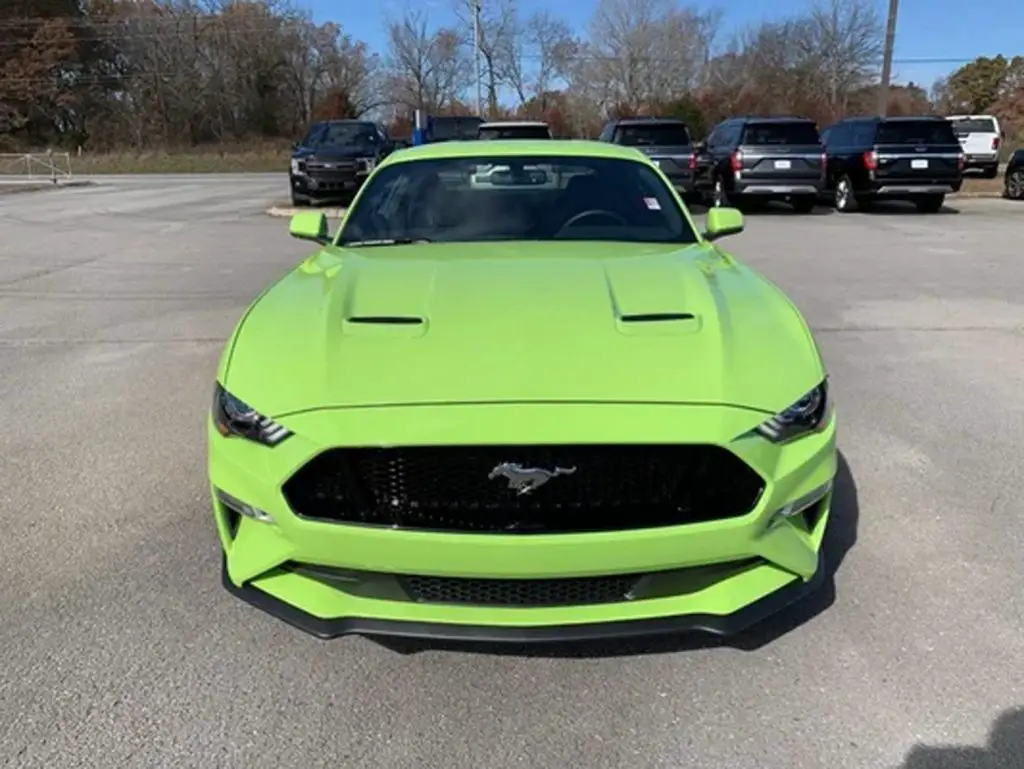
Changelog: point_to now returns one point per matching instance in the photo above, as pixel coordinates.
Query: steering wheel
(592, 212)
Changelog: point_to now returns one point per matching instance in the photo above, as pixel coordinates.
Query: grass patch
(273, 158)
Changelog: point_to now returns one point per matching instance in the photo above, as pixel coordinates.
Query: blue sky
(926, 29)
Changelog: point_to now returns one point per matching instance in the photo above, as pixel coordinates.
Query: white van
(980, 137)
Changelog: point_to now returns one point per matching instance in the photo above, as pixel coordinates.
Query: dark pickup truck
(751, 158)
(916, 159)
(666, 141)
(334, 159)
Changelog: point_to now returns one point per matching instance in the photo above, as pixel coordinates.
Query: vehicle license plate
(918, 163)
(783, 164)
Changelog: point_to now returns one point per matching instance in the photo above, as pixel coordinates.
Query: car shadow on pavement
(768, 209)
(899, 208)
(839, 539)
(1005, 749)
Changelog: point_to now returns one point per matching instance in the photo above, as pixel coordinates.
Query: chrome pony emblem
(525, 479)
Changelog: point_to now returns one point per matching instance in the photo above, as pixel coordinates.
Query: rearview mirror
(310, 225)
(720, 222)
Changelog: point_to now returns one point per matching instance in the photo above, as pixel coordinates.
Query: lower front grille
(579, 591)
(525, 489)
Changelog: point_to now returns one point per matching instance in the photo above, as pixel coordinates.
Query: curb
(288, 212)
(14, 187)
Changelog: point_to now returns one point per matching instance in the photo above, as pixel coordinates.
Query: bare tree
(540, 53)
(845, 38)
(649, 50)
(426, 68)
(496, 27)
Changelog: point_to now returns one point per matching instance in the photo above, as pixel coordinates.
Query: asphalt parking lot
(121, 649)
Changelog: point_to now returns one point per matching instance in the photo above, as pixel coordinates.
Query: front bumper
(324, 186)
(718, 577)
(712, 624)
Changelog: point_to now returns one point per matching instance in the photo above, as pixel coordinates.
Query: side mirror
(720, 222)
(295, 146)
(310, 225)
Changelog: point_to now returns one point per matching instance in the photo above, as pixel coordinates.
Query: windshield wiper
(385, 242)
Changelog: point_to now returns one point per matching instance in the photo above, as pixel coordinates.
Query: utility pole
(890, 42)
(476, 56)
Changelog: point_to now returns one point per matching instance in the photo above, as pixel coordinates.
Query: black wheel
(930, 204)
(843, 198)
(990, 172)
(1015, 185)
(803, 204)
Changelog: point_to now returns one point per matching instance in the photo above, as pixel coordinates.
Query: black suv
(666, 141)
(917, 159)
(334, 159)
(1013, 179)
(760, 158)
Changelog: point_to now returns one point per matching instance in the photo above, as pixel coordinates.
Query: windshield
(800, 132)
(541, 198)
(656, 134)
(514, 132)
(916, 132)
(454, 128)
(328, 135)
(978, 125)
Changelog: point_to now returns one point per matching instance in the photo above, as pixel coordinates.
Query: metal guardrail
(28, 166)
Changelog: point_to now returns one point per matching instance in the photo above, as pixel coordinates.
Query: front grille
(467, 489)
(579, 591)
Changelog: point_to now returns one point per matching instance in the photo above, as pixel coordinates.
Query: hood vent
(387, 320)
(657, 317)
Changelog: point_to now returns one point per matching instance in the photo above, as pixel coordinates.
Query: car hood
(542, 322)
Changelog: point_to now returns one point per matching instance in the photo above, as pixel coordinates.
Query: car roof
(774, 119)
(514, 124)
(581, 148)
(642, 121)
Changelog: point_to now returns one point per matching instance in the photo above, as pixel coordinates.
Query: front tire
(930, 204)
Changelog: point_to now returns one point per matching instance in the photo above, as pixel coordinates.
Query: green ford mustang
(531, 404)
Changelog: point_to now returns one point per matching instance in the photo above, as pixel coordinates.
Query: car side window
(607, 132)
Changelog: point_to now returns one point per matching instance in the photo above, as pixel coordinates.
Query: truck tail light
(736, 160)
(871, 160)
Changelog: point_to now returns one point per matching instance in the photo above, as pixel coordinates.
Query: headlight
(235, 417)
(367, 164)
(297, 166)
(804, 416)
